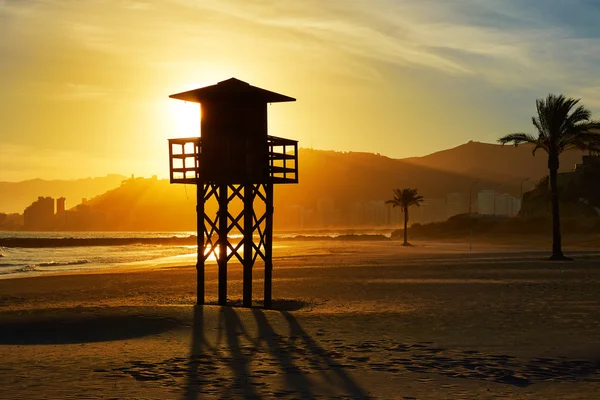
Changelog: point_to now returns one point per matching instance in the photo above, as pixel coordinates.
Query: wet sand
(354, 320)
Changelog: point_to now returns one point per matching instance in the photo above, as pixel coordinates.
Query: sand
(354, 320)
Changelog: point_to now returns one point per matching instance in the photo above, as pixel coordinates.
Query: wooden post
(269, 245)
(200, 193)
(222, 256)
(248, 241)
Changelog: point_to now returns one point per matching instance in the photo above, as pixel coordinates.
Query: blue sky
(88, 81)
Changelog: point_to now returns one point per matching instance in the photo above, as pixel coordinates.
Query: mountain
(352, 176)
(138, 204)
(485, 161)
(330, 181)
(15, 196)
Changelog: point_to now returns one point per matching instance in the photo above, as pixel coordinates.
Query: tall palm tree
(560, 127)
(404, 199)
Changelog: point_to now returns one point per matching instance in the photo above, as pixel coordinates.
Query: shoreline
(287, 248)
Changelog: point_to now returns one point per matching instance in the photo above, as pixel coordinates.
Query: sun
(185, 118)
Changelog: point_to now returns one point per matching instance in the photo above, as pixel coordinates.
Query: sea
(30, 261)
(19, 261)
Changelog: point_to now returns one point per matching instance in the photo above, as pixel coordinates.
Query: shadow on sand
(75, 329)
(262, 363)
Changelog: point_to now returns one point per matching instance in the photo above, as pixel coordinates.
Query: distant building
(356, 211)
(587, 160)
(40, 214)
(565, 179)
(515, 206)
(326, 213)
(61, 214)
(60, 205)
(490, 202)
(456, 203)
(431, 210)
(396, 216)
(292, 217)
(485, 202)
(380, 213)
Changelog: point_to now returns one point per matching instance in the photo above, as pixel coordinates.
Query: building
(292, 217)
(326, 213)
(431, 210)
(485, 202)
(356, 213)
(396, 216)
(456, 203)
(61, 205)
(40, 214)
(381, 215)
(490, 202)
(61, 212)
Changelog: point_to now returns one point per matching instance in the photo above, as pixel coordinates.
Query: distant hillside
(139, 204)
(326, 177)
(15, 196)
(347, 177)
(493, 162)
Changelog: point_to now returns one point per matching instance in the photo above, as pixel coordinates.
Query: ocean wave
(4, 265)
(13, 242)
(27, 268)
(62, 263)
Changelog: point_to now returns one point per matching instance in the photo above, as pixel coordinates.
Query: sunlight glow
(185, 117)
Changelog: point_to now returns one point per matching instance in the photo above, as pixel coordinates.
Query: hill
(492, 162)
(18, 195)
(352, 176)
(340, 180)
(138, 204)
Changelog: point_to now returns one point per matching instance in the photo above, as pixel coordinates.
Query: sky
(85, 84)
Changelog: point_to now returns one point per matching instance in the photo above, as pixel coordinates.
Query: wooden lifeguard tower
(235, 164)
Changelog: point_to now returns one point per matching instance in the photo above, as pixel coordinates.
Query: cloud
(19, 162)
(92, 36)
(22, 162)
(75, 92)
(137, 5)
(503, 42)
(467, 61)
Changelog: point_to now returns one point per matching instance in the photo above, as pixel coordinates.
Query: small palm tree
(404, 199)
(559, 127)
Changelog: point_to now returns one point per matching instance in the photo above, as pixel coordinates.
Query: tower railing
(184, 163)
(283, 160)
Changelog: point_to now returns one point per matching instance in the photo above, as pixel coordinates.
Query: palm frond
(394, 203)
(517, 139)
(578, 136)
(583, 140)
(561, 125)
(579, 116)
(542, 130)
(404, 198)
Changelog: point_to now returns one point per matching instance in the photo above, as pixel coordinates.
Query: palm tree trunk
(405, 227)
(557, 253)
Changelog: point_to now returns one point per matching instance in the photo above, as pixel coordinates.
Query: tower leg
(222, 234)
(269, 246)
(200, 192)
(248, 241)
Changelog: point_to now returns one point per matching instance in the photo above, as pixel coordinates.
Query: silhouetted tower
(61, 205)
(234, 164)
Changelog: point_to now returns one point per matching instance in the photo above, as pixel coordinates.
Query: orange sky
(85, 84)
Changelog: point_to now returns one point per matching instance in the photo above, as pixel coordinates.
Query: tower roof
(231, 90)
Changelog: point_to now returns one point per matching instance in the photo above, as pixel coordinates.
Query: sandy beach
(353, 320)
